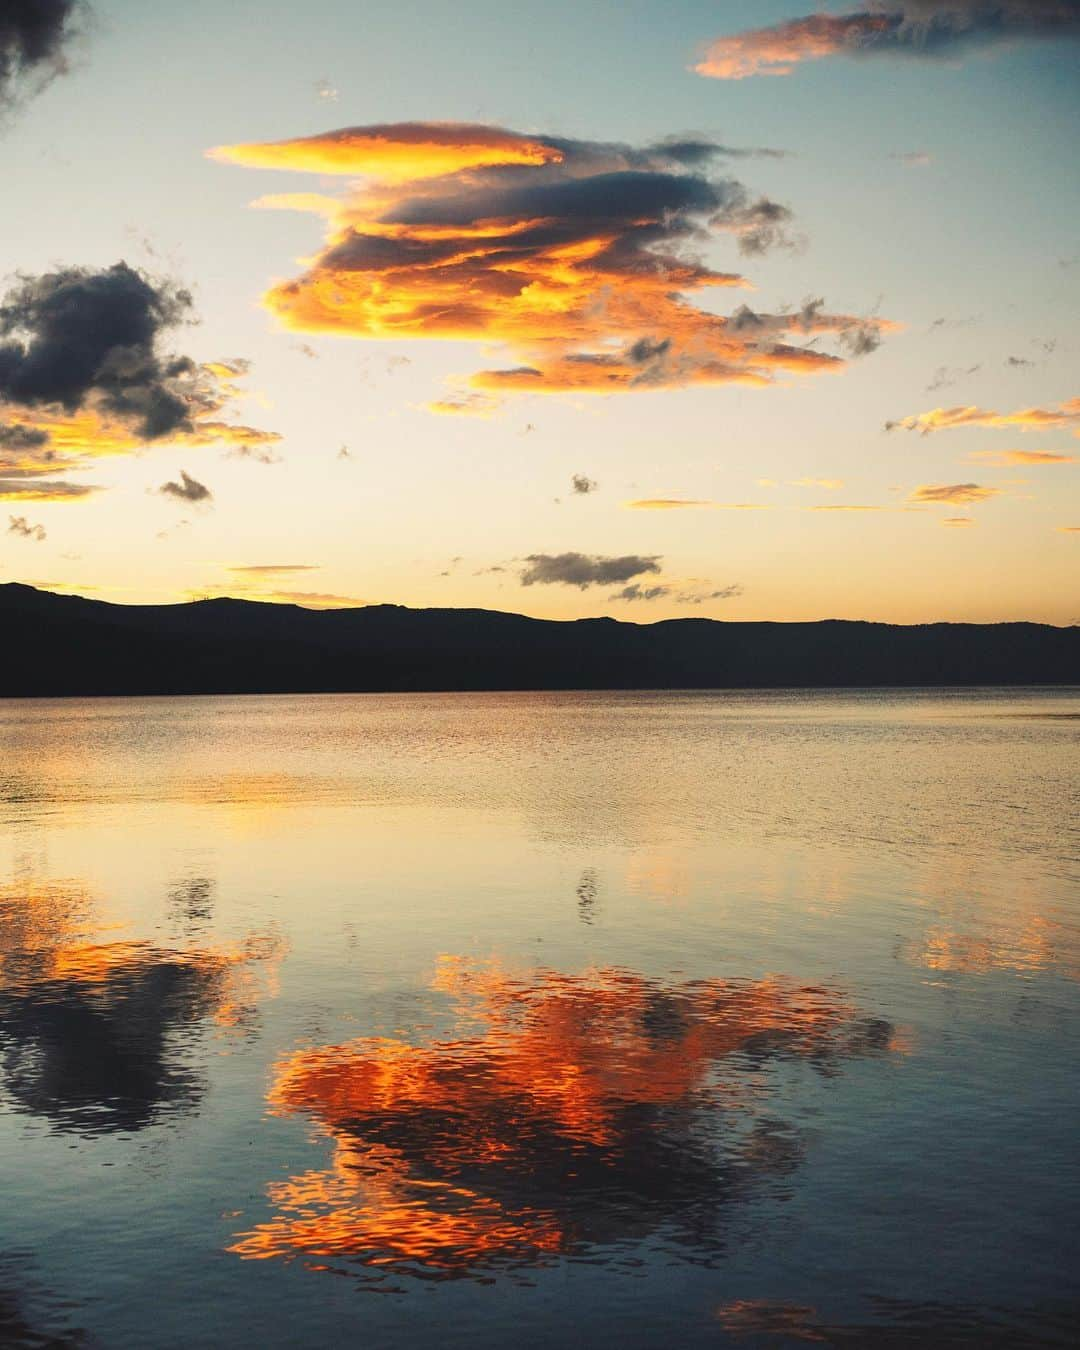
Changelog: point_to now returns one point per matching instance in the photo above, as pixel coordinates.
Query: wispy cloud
(914, 159)
(1029, 458)
(953, 494)
(273, 569)
(919, 29)
(665, 503)
(680, 594)
(1065, 414)
(21, 527)
(578, 258)
(955, 521)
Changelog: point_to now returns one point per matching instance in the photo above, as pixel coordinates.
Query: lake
(491, 1020)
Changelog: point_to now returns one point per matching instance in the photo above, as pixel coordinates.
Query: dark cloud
(84, 372)
(15, 436)
(636, 592)
(22, 527)
(186, 490)
(919, 29)
(73, 335)
(582, 485)
(582, 569)
(35, 37)
(1018, 361)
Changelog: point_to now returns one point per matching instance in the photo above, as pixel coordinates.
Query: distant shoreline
(69, 646)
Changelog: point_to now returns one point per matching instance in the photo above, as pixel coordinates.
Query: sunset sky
(649, 309)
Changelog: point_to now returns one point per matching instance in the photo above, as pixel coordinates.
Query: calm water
(513, 1020)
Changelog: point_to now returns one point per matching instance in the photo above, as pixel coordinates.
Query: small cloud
(583, 570)
(1018, 361)
(583, 486)
(325, 91)
(42, 490)
(21, 526)
(679, 594)
(344, 453)
(946, 376)
(1068, 529)
(273, 569)
(767, 483)
(305, 349)
(828, 484)
(913, 159)
(955, 521)
(1008, 458)
(636, 592)
(665, 503)
(837, 507)
(188, 489)
(465, 405)
(953, 494)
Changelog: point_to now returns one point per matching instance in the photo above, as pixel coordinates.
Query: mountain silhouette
(69, 645)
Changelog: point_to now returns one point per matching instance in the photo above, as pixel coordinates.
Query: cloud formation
(681, 595)
(920, 29)
(583, 570)
(665, 503)
(953, 494)
(21, 526)
(1065, 414)
(580, 259)
(583, 485)
(35, 36)
(1029, 458)
(188, 490)
(273, 569)
(85, 373)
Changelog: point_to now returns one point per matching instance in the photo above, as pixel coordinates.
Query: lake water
(741, 1019)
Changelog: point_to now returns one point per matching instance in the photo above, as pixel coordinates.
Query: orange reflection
(94, 1030)
(571, 1111)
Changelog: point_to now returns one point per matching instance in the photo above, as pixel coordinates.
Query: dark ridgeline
(55, 645)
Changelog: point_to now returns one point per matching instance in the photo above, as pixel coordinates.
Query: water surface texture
(507, 1020)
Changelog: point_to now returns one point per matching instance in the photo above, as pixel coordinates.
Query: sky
(654, 310)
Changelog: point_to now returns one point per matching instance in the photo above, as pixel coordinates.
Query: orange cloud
(953, 494)
(43, 490)
(1066, 414)
(915, 29)
(832, 507)
(1005, 458)
(577, 258)
(778, 50)
(955, 521)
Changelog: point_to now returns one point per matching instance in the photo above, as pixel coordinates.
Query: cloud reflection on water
(98, 1031)
(571, 1116)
